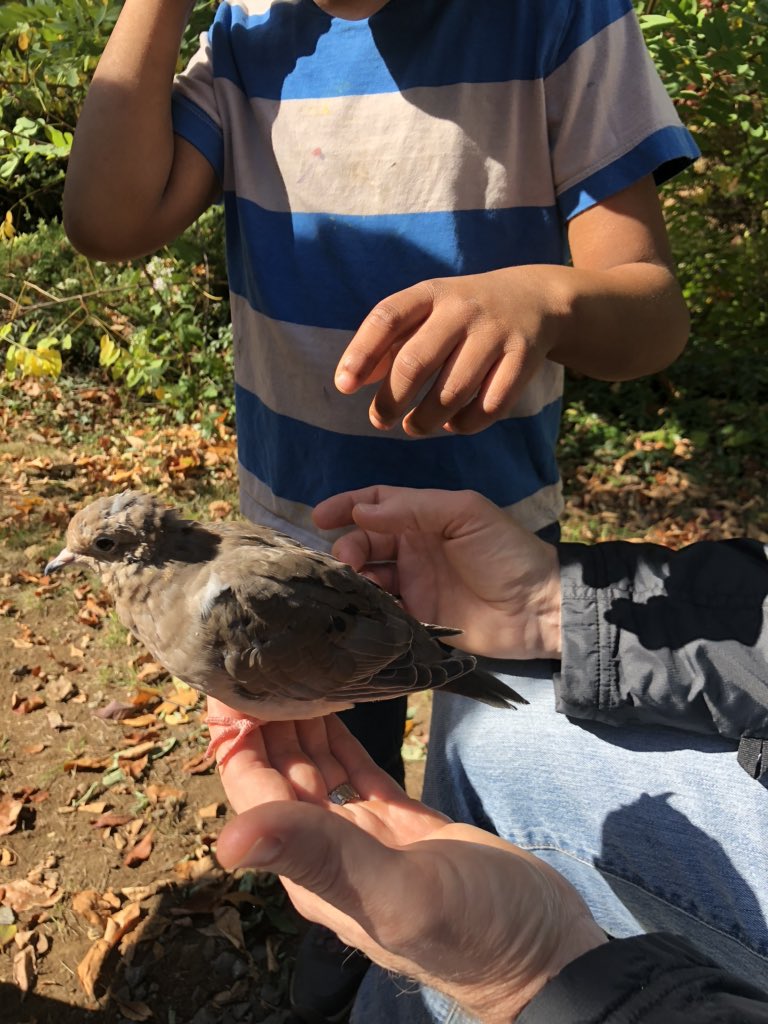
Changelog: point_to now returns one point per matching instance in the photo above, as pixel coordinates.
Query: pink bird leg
(233, 732)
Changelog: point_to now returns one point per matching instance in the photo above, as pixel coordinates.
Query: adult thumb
(317, 849)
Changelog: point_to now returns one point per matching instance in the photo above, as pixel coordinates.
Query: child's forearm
(621, 323)
(120, 197)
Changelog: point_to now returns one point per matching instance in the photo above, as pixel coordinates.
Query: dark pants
(380, 726)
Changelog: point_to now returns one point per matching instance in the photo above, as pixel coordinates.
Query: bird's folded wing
(310, 637)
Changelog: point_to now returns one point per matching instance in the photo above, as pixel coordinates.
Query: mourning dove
(251, 617)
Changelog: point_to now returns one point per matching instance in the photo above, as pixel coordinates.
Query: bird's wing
(300, 625)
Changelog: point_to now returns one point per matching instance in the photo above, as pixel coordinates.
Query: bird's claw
(233, 732)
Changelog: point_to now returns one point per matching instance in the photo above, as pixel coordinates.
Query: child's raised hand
(478, 338)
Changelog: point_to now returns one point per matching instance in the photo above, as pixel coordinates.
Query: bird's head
(120, 528)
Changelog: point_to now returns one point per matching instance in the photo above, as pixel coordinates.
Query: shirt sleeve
(610, 119)
(656, 979)
(676, 638)
(194, 108)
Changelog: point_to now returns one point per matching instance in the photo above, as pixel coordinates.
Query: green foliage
(713, 56)
(158, 326)
(48, 52)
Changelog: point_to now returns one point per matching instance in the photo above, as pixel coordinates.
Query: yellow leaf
(43, 363)
(23, 41)
(108, 351)
(7, 230)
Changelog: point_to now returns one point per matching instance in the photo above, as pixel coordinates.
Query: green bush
(713, 57)
(159, 326)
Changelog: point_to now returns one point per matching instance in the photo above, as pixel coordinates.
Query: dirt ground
(112, 907)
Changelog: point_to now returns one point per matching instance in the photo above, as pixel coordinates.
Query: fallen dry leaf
(55, 721)
(141, 721)
(117, 926)
(134, 1010)
(199, 764)
(151, 672)
(210, 811)
(24, 969)
(139, 750)
(21, 895)
(111, 820)
(164, 794)
(26, 705)
(227, 922)
(90, 905)
(95, 807)
(35, 748)
(115, 711)
(88, 764)
(141, 851)
(61, 689)
(10, 809)
(192, 870)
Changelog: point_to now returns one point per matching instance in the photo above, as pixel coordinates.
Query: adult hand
(447, 904)
(457, 560)
(484, 335)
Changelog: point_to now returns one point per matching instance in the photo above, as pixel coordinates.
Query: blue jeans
(657, 828)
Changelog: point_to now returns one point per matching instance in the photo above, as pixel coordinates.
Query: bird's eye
(104, 544)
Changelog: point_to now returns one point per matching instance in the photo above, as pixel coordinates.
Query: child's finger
(385, 326)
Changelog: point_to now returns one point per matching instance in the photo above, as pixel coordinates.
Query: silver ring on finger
(344, 793)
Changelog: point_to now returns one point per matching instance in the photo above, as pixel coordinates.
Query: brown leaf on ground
(115, 711)
(34, 748)
(55, 721)
(90, 905)
(88, 764)
(164, 794)
(89, 968)
(111, 820)
(213, 810)
(151, 672)
(24, 968)
(22, 895)
(134, 1010)
(199, 764)
(61, 689)
(10, 809)
(192, 870)
(227, 923)
(26, 705)
(141, 851)
(136, 751)
(141, 721)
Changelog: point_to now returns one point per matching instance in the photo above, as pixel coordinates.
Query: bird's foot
(231, 732)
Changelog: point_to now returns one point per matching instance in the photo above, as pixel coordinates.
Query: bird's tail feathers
(485, 687)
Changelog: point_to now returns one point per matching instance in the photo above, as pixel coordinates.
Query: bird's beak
(64, 557)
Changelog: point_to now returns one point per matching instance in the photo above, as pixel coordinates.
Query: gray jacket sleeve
(675, 638)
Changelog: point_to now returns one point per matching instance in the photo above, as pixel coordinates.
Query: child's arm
(131, 184)
(616, 314)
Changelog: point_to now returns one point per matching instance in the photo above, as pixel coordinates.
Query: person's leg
(380, 727)
(657, 828)
(327, 973)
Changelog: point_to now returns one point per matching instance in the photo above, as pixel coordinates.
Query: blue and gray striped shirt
(437, 138)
